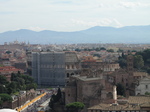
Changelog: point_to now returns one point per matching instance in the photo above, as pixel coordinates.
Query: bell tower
(130, 64)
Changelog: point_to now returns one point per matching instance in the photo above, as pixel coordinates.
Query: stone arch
(72, 73)
(72, 66)
(67, 66)
(138, 94)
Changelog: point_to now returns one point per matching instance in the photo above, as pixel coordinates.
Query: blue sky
(72, 15)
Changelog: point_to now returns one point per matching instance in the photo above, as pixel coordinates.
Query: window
(146, 86)
(67, 74)
(72, 66)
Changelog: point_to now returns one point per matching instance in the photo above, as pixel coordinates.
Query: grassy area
(49, 88)
(16, 93)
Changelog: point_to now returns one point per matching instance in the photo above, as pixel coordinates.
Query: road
(35, 103)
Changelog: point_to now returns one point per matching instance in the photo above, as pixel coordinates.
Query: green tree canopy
(3, 89)
(74, 107)
(23, 82)
(3, 80)
(97, 49)
(5, 97)
(12, 86)
(138, 61)
(31, 86)
(147, 93)
(58, 93)
(146, 55)
(102, 48)
(110, 50)
(77, 49)
(55, 98)
(122, 61)
(120, 50)
(8, 52)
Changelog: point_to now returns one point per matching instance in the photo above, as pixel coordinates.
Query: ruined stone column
(115, 93)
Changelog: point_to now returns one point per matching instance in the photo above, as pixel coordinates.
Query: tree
(55, 98)
(77, 49)
(120, 50)
(3, 89)
(123, 56)
(74, 107)
(24, 82)
(19, 80)
(13, 76)
(11, 87)
(1, 103)
(5, 97)
(3, 80)
(97, 49)
(102, 48)
(145, 54)
(28, 79)
(147, 93)
(85, 49)
(122, 62)
(58, 94)
(138, 61)
(110, 50)
(31, 86)
(8, 52)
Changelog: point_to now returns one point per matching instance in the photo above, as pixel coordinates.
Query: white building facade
(143, 86)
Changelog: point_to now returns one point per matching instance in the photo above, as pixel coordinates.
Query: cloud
(61, 2)
(58, 14)
(36, 28)
(101, 22)
(133, 4)
(6, 12)
(5, 0)
(101, 5)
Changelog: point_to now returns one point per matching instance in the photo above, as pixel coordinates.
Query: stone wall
(48, 68)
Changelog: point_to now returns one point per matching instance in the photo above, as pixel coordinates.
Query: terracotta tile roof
(108, 107)
(139, 74)
(145, 105)
(138, 99)
(130, 107)
(134, 103)
(9, 69)
(114, 107)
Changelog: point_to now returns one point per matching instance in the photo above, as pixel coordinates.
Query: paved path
(31, 102)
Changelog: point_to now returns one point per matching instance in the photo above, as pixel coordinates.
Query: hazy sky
(72, 15)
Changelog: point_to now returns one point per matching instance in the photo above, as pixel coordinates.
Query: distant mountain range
(97, 34)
